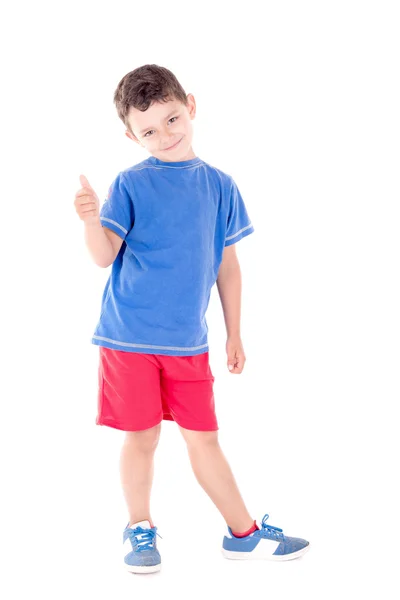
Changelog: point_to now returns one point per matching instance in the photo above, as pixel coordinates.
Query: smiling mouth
(172, 147)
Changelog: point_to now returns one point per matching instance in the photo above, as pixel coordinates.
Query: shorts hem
(116, 425)
(198, 426)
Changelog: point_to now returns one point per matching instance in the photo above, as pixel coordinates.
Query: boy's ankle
(136, 521)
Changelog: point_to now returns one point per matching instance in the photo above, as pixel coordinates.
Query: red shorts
(137, 391)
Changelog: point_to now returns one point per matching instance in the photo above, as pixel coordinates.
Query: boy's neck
(188, 156)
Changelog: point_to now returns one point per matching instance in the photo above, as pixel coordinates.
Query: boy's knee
(145, 440)
(200, 439)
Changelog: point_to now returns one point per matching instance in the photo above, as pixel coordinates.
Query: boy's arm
(102, 243)
(229, 284)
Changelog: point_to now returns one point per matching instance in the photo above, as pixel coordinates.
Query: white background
(299, 102)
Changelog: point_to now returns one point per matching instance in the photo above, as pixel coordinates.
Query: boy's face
(163, 125)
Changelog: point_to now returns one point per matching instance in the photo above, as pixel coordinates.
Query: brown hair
(143, 86)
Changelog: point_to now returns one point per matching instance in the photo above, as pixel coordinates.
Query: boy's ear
(132, 137)
(191, 105)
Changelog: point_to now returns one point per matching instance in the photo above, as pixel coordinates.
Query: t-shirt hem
(150, 349)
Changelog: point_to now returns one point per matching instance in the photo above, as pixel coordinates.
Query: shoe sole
(138, 569)
(278, 557)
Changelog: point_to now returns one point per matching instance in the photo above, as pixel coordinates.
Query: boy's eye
(145, 135)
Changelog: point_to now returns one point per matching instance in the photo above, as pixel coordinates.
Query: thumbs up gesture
(87, 204)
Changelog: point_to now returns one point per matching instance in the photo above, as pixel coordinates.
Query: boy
(169, 228)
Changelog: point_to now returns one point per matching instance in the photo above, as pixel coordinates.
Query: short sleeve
(238, 224)
(117, 212)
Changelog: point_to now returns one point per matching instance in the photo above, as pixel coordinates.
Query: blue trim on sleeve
(232, 239)
(117, 225)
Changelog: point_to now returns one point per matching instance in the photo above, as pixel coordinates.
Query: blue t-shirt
(175, 219)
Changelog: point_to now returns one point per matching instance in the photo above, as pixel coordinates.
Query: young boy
(169, 228)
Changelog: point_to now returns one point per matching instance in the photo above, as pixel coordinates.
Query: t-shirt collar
(180, 163)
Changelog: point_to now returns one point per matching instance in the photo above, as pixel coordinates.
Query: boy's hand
(87, 204)
(236, 356)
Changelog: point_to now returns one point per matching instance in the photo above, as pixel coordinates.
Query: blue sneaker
(265, 543)
(141, 544)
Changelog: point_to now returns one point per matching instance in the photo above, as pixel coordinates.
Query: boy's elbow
(104, 264)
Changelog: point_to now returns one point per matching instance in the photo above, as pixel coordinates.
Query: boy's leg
(214, 474)
(137, 470)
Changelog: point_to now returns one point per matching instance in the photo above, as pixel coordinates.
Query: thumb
(84, 182)
(231, 362)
